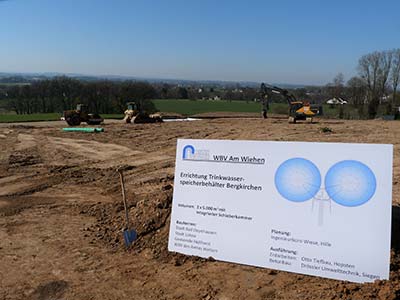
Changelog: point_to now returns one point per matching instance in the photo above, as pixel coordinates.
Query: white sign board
(312, 208)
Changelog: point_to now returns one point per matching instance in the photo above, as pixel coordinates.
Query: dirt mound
(149, 216)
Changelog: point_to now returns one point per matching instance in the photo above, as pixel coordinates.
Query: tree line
(375, 85)
(63, 93)
(105, 96)
(374, 89)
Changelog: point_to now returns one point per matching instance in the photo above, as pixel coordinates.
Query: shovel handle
(121, 177)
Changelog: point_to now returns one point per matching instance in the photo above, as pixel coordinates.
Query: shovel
(130, 235)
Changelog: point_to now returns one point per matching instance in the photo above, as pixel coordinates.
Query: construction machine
(135, 114)
(80, 114)
(298, 110)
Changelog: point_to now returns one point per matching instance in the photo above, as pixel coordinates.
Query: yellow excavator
(298, 110)
(133, 114)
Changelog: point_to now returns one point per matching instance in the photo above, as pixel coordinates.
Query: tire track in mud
(67, 151)
(33, 169)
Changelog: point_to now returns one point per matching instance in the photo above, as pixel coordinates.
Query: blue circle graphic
(297, 179)
(350, 183)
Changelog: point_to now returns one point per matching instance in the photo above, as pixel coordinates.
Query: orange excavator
(298, 110)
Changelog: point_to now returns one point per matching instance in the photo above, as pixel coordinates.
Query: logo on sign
(190, 153)
(349, 183)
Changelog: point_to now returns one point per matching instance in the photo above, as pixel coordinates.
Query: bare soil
(61, 216)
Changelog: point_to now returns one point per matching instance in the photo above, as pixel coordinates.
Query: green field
(184, 107)
(192, 107)
(113, 116)
(5, 118)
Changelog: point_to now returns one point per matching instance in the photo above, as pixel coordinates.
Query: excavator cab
(132, 106)
(297, 105)
(83, 108)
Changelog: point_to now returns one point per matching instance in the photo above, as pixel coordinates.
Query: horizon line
(72, 74)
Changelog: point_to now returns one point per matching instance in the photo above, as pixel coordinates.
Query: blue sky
(303, 42)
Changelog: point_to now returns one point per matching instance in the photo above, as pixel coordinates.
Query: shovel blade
(129, 237)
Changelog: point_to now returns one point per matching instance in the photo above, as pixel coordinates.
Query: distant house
(384, 99)
(336, 101)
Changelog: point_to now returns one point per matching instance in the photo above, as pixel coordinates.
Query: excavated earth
(61, 214)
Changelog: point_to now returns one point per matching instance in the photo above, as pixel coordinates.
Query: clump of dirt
(50, 290)
(326, 130)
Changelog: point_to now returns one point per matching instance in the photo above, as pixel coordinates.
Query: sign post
(321, 209)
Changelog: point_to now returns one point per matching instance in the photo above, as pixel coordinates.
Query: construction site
(62, 217)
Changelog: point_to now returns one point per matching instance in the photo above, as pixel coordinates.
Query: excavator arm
(298, 110)
(268, 90)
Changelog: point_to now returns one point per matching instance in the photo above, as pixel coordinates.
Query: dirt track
(61, 215)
